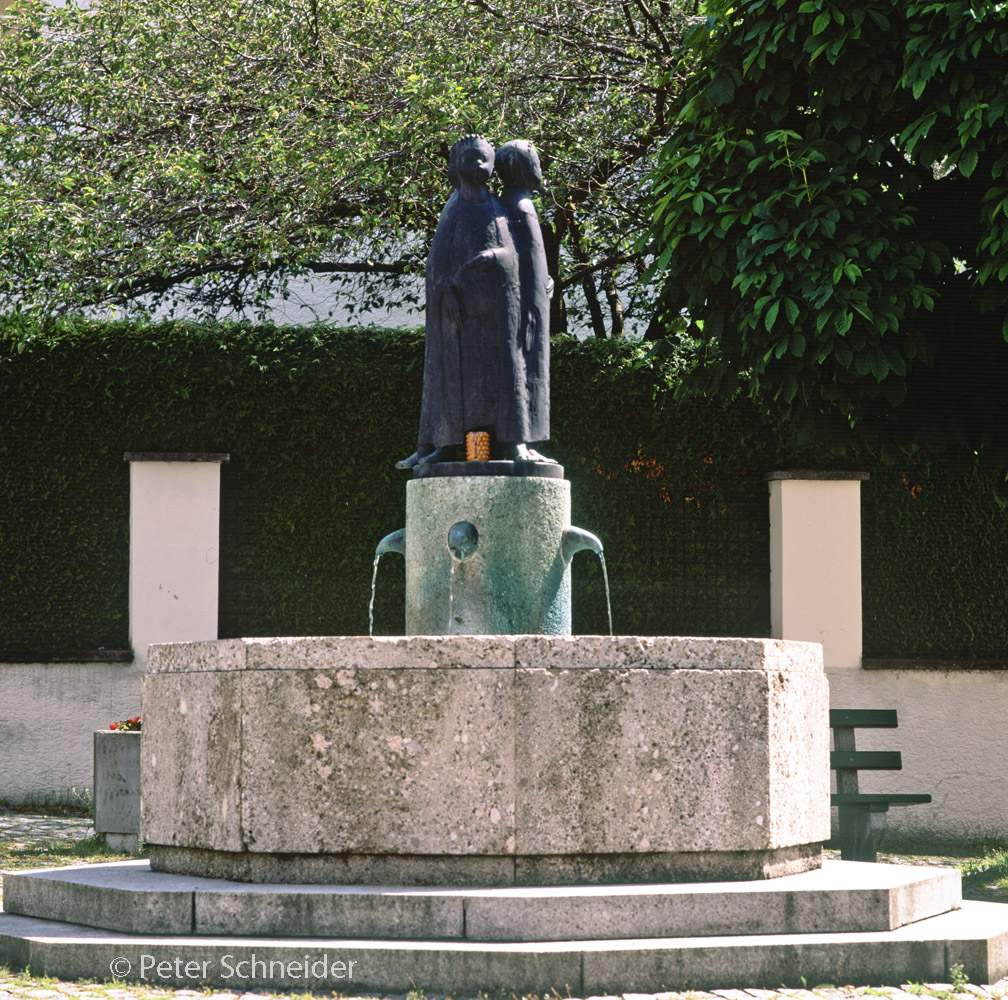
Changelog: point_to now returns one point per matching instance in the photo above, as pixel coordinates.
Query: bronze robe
(474, 358)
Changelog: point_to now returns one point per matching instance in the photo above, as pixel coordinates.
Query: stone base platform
(128, 896)
(845, 923)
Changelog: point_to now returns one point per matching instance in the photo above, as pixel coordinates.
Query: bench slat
(863, 718)
(870, 760)
(896, 799)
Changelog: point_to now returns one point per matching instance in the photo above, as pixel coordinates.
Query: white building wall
(954, 740)
(48, 715)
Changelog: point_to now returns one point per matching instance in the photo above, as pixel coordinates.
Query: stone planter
(117, 788)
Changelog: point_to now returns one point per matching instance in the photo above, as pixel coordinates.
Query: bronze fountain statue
(486, 361)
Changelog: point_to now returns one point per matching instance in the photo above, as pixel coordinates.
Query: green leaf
(878, 364)
(844, 354)
(771, 315)
(721, 89)
(789, 388)
(967, 162)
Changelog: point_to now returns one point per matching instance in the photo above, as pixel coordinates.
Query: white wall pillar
(815, 561)
(174, 539)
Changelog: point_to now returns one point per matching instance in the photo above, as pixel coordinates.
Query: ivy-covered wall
(314, 419)
(934, 564)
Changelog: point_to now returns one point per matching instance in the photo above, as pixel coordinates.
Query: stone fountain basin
(485, 760)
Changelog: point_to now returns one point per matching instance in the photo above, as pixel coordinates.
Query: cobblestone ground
(20, 831)
(24, 831)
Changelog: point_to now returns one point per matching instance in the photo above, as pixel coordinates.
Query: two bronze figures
(486, 359)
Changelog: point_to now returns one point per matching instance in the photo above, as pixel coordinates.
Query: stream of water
(451, 595)
(605, 577)
(370, 610)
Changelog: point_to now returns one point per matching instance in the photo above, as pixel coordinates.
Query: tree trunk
(588, 283)
(552, 235)
(615, 304)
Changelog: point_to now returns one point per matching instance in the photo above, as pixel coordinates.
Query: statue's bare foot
(534, 456)
(523, 453)
(409, 463)
(422, 456)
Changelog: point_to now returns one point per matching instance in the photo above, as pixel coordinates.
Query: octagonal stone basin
(485, 760)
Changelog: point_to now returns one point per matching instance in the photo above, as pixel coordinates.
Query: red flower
(130, 725)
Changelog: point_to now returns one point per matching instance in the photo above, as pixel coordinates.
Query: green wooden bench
(862, 814)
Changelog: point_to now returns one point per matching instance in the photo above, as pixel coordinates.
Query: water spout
(394, 542)
(577, 540)
(463, 538)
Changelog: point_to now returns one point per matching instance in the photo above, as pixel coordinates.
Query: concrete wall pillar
(815, 561)
(174, 539)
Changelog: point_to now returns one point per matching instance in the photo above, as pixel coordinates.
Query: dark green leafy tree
(832, 215)
(217, 147)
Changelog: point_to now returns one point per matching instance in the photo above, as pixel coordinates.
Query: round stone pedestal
(512, 580)
(485, 760)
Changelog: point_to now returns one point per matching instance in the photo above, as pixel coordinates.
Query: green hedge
(934, 564)
(314, 419)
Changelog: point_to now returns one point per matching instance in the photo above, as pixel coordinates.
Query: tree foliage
(832, 213)
(149, 146)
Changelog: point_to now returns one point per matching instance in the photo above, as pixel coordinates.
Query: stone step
(974, 937)
(842, 896)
